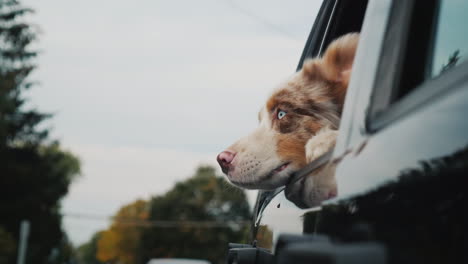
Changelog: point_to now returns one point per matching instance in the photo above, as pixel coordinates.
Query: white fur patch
(256, 158)
(322, 142)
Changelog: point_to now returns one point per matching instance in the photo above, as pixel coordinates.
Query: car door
(403, 148)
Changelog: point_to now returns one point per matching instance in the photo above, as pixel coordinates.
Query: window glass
(451, 38)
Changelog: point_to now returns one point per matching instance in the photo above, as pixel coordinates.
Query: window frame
(330, 25)
(318, 32)
(384, 109)
(422, 95)
(322, 33)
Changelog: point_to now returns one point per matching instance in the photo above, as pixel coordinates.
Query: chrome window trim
(327, 28)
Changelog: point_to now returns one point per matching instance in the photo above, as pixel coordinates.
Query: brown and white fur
(297, 124)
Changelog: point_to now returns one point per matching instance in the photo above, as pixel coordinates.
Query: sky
(145, 91)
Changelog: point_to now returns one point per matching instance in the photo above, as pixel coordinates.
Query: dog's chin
(268, 181)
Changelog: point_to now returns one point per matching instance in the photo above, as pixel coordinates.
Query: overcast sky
(144, 91)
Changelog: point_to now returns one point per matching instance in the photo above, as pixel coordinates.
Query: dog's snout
(224, 159)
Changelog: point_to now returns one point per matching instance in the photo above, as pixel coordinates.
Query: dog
(297, 125)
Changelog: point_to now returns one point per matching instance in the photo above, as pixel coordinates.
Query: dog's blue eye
(281, 114)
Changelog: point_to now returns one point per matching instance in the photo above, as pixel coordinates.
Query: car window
(425, 39)
(436, 41)
(451, 40)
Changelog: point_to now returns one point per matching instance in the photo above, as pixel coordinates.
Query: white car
(177, 261)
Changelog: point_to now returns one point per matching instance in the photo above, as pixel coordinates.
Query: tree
(87, 252)
(35, 172)
(195, 219)
(452, 61)
(7, 247)
(121, 242)
(205, 197)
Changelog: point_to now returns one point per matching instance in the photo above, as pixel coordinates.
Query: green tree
(204, 197)
(35, 172)
(7, 247)
(87, 253)
(195, 219)
(452, 61)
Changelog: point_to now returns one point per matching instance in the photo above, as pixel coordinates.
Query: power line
(261, 20)
(157, 223)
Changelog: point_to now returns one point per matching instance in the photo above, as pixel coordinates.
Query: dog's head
(310, 100)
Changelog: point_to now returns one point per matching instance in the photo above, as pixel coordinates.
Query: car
(176, 261)
(402, 150)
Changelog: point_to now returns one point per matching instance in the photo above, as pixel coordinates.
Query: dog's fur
(312, 101)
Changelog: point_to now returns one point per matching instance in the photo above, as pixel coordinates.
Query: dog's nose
(224, 159)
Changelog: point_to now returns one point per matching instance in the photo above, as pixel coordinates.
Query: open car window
(336, 18)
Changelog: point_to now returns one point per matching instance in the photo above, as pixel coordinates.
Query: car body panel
(363, 76)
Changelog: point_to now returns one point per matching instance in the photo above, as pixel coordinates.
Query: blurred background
(111, 116)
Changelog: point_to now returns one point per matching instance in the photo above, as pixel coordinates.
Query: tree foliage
(87, 253)
(452, 61)
(195, 219)
(121, 241)
(204, 197)
(7, 247)
(35, 172)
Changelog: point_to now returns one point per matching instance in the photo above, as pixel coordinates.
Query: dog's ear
(338, 58)
(335, 65)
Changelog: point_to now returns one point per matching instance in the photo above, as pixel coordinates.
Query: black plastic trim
(318, 31)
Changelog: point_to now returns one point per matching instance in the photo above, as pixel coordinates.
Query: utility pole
(23, 241)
